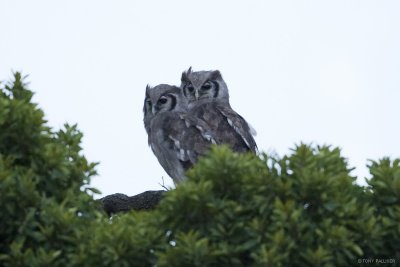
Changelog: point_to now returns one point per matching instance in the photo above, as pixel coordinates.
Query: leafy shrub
(303, 209)
(44, 198)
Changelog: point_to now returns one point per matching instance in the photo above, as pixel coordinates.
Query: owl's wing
(201, 126)
(240, 126)
(161, 146)
(191, 139)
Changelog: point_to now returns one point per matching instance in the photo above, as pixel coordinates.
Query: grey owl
(177, 139)
(208, 100)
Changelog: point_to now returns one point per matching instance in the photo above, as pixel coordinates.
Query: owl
(176, 138)
(208, 100)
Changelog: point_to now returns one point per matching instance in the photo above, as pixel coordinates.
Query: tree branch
(121, 203)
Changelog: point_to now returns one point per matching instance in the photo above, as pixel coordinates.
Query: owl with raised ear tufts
(208, 100)
(177, 139)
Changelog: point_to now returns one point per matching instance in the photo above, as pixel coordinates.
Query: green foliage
(303, 209)
(44, 202)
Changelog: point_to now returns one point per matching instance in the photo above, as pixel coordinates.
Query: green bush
(44, 199)
(303, 209)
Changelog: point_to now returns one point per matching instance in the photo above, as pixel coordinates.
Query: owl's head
(162, 98)
(198, 85)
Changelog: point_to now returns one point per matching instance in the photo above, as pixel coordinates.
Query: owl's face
(162, 98)
(201, 85)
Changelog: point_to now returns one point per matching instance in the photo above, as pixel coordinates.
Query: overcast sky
(326, 72)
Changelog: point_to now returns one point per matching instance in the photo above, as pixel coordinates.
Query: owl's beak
(153, 110)
(196, 94)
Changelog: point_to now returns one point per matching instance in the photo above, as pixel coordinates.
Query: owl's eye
(190, 88)
(206, 86)
(162, 100)
(148, 102)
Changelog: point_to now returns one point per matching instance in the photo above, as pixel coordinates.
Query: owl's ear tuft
(216, 75)
(148, 88)
(185, 75)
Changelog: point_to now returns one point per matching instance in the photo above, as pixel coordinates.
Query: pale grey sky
(326, 72)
